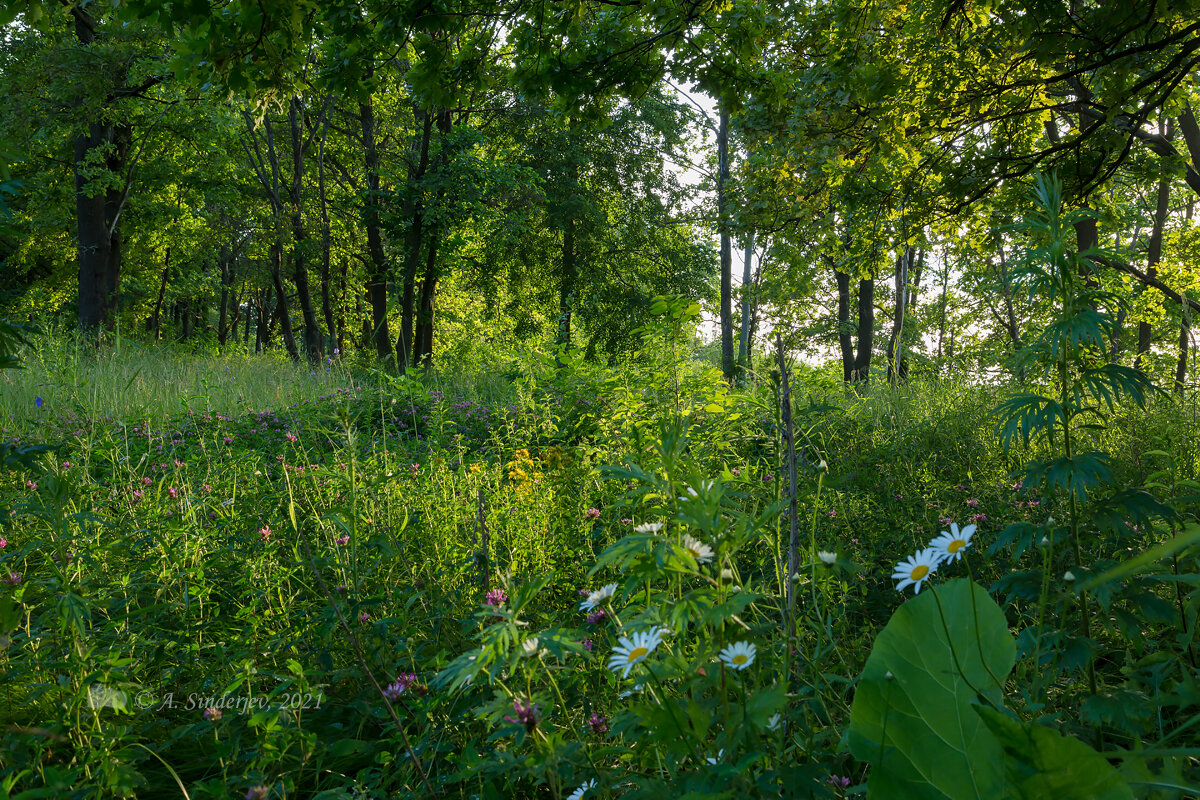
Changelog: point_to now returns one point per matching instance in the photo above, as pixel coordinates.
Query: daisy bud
(1068, 576)
(823, 467)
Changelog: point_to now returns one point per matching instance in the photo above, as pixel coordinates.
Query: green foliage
(913, 717)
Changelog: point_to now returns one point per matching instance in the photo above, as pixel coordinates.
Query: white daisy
(698, 550)
(582, 790)
(949, 545)
(648, 527)
(597, 597)
(827, 557)
(712, 760)
(916, 569)
(529, 647)
(774, 722)
(632, 649)
(739, 655)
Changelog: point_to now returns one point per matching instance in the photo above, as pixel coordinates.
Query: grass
(281, 546)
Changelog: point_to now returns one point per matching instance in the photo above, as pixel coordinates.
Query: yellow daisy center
(636, 653)
(740, 659)
(694, 551)
(919, 572)
(956, 545)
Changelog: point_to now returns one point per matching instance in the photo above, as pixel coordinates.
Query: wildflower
(973, 503)
(172, 493)
(39, 402)
(3, 543)
(840, 781)
(212, 714)
(738, 655)
(977, 518)
(648, 527)
(827, 557)
(774, 722)
(265, 532)
(712, 760)
(597, 597)
(726, 574)
(343, 540)
(495, 597)
(1068, 576)
(1018, 486)
(529, 647)
(916, 569)
(228, 440)
(631, 650)
(582, 790)
(399, 686)
(626, 521)
(831, 513)
(598, 723)
(257, 793)
(13, 579)
(363, 618)
(31, 486)
(697, 549)
(949, 545)
(596, 617)
(588, 644)
(147, 481)
(137, 495)
(593, 513)
(527, 714)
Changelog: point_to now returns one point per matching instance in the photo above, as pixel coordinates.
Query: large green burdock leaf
(912, 717)
(1041, 763)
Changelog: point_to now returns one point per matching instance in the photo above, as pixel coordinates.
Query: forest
(599, 399)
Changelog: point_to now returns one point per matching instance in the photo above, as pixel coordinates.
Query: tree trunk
(423, 341)
(566, 288)
(1184, 322)
(314, 338)
(845, 340)
(747, 285)
(154, 323)
(326, 234)
(896, 368)
(866, 329)
(418, 165)
(97, 211)
(281, 308)
(223, 310)
(1153, 257)
(727, 363)
(942, 322)
(377, 271)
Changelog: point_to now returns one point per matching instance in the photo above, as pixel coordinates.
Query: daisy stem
(662, 699)
(975, 619)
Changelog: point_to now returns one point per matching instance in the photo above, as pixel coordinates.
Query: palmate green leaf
(912, 717)
(1041, 764)
(1025, 414)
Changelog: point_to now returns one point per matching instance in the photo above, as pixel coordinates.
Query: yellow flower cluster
(522, 471)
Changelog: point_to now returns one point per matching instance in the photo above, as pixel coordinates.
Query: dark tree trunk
(326, 233)
(97, 211)
(897, 370)
(728, 366)
(154, 323)
(845, 339)
(1184, 322)
(223, 310)
(1153, 257)
(747, 285)
(281, 305)
(314, 338)
(942, 321)
(418, 164)
(566, 287)
(423, 343)
(866, 329)
(377, 270)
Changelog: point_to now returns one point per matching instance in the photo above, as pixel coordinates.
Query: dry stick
(785, 404)
(363, 663)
